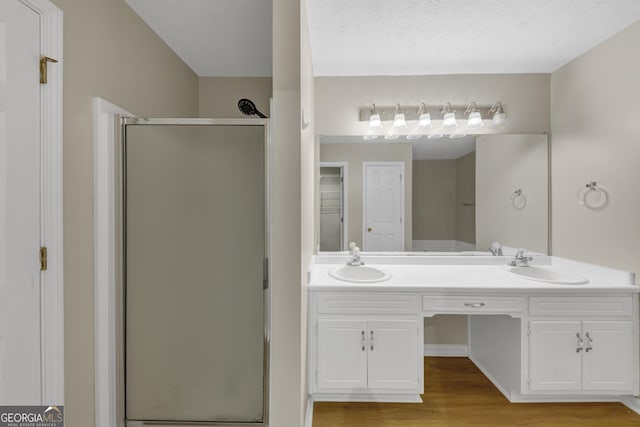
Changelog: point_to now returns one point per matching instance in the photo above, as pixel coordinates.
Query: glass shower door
(194, 252)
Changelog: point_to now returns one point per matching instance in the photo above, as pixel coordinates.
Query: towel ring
(518, 199)
(593, 196)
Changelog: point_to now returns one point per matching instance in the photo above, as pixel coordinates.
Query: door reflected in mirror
(457, 196)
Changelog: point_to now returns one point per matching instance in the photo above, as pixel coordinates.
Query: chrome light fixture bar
(412, 112)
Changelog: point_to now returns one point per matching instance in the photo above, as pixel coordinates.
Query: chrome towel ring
(593, 196)
(518, 199)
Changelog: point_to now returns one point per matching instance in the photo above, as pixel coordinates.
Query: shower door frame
(120, 202)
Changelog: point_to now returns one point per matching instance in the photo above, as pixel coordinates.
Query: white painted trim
(632, 403)
(446, 350)
(52, 281)
(377, 397)
(308, 416)
(364, 198)
(345, 199)
(104, 259)
(491, 378)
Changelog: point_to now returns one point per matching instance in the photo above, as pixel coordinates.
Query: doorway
(195, 276)
(333, 217)
(383, 206)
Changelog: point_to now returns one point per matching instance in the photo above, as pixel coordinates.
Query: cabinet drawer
(579, 306)
(369, 303)
(472, 304)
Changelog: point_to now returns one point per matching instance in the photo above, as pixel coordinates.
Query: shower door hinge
(43, 258)
(43, 68)
(265, 273)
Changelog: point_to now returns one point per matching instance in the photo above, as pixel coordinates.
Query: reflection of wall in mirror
(444, 200)
(506, 163)
(356, 153)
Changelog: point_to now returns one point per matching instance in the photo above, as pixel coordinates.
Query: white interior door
(20, 205)
(383, 206)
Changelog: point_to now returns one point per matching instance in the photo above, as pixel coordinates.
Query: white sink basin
(359, 274)
(547, 275)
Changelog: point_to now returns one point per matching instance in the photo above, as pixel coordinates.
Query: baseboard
(378, 397)
(308, 416)
(632, 403)
(446, 350)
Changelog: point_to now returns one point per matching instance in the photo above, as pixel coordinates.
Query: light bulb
(399, 121)
(434, 135)
(475, 120)
(375, 122)
(449, 121)
(425, 120)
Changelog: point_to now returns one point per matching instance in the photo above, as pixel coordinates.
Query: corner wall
(219, 96)
(595, 137)
(111, 53)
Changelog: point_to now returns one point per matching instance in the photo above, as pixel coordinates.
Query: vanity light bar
(411, 112)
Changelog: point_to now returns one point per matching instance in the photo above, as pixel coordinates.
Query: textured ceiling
(214, 37)
(391, 37)
(414, 37)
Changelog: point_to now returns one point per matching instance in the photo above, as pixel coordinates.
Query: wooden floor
(458, 394)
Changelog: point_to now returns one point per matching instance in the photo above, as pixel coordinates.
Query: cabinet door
(393, 354)
(342, 354)
(607, 363)
(554, 363)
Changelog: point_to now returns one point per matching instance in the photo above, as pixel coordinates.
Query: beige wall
(525, 98)
(506, 163)
(286, 382)
(434, 199)
(440, 187)
(465, 194)
(595, 128)
(308, 163)
(108, 52)
(448, 329)
(356, 153)
(218, 96)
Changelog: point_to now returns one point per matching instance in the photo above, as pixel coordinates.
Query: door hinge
(528, 379)
(43, 258)
(528, 330)
(400, 177)
(265, 273)
(43, 68)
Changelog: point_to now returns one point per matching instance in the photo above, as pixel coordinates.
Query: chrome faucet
(521, 259)
(355, 256)
(496, 249)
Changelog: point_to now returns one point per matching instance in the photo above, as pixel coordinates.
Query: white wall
(596, 137)
(525, 98)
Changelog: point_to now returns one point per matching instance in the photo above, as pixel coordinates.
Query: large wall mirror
(438, 196)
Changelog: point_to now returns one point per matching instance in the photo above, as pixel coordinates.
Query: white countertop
(452, 274)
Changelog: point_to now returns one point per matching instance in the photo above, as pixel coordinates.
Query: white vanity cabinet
(367, 354)
(364, 346)
(572, 348)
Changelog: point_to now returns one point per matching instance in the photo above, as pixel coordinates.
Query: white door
(393, 360)
(607, 363)
(20, 213)
(383, 206)
(342, 354)
(554, 359)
